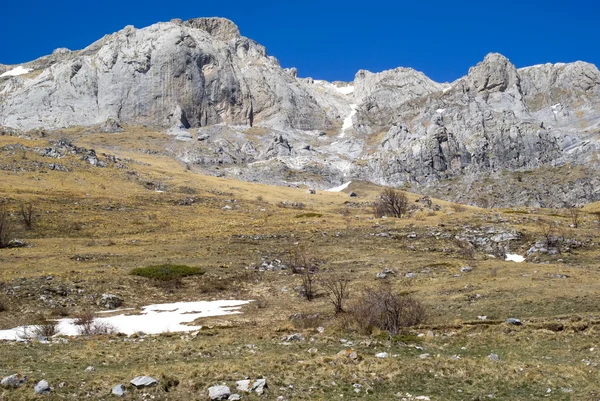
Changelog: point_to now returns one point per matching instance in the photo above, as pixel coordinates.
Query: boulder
(13, 381)
(143, 381)
(119, 390)
(219, 392)
(42, 387)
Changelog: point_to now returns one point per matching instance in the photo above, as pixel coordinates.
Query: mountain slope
(257, 121)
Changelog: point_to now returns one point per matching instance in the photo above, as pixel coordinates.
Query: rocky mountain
(498, 136)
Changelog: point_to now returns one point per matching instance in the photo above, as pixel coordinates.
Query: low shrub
(167, 272)
(385, 309)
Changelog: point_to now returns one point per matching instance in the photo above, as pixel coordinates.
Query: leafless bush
(387, 310)
(88, 325)
(27, 215)
(465, 249)
(575, 216)
(308, 285)
(45, 328)
(337, 291)
(299, 261)
(552, 236)
(6, 229)
(391, 203)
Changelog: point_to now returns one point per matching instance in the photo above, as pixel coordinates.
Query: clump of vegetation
(385, 309)
(45, 328)
(308, 215)
(88, 325)
(167, 272)
(27, 215)
(391, 203)
(337, 290)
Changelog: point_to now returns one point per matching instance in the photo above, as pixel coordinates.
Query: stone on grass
(494, 357)
(119, 390)
(42, 387)
(90, 369)
(382, 355)
(259, 386)
(13, 381)
(235, 397)
(294, 337)
(144, 381)
(514, 321)
(243, 385)
(219, 392)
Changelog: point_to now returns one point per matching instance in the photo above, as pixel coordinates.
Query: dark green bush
(167, 272)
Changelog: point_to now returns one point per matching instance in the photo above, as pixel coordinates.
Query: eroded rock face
(199, 72)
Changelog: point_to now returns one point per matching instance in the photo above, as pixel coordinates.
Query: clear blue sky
(334, 39)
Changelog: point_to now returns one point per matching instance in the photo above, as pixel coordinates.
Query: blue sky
(334, 39)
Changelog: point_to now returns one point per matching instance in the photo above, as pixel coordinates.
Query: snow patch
(345, 90)
(153, 319)
(340, 188)
(20, 70)
(513, 257)
(348, 120)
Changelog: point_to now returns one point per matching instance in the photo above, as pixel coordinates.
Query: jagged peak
(220, 28)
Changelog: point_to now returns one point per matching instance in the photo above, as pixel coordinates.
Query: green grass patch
(167, 272)
(308, 215)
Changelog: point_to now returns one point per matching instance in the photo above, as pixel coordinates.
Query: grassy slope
(93, 225)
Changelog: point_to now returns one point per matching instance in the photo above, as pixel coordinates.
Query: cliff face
(260, 122)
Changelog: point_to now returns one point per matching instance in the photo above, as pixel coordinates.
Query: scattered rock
(144, 381)
(259, 386)
(424, 356)
(410, 275)
(110, 301)
(42, 387)
(219, 392)
(514, 321)
(235, 397)
(13, 381)
(382, 355)
(243, 385)
(353, 195)
(294, 337)
(494, 357)
(90, 369)
(110, 126)
(466, 269)
(119, 390)
(312, 191)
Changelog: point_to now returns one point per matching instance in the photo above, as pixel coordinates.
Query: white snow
(20, 70)
(340, 188)
(153, 319)
(513, 257)
(348, 120)
(345, 90)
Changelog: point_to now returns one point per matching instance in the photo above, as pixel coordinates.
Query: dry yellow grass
(93, 225)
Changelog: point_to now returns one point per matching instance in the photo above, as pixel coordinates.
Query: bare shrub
(299, 261)
(391, 203)
(27, 215)
(575, 216)
(465, 249)
(552, 235)
(336, 287)
(45, 328)
(88, 325)
(6, 229)
(387, 310)
(308, 285)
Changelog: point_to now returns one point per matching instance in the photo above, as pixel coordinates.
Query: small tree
(391, 203)
(27, 214)
(337, 291)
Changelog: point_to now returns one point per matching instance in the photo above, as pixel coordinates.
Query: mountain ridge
(396, 127)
